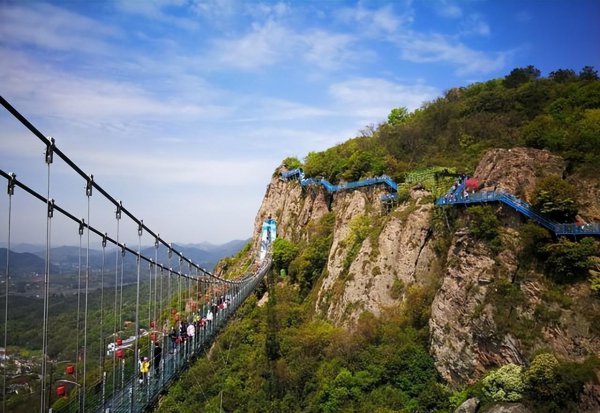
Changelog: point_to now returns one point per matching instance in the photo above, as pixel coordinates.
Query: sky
(183, 109)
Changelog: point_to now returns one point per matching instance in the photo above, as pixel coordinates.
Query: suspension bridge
(125, 353)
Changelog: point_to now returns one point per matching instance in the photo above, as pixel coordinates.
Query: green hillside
(284, 357)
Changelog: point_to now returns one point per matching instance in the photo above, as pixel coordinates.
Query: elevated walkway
(458, 197)
(329, 187)
(130, 395)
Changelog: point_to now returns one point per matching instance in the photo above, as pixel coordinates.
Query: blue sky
(183, 108)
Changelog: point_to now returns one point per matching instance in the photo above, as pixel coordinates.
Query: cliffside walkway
(176, 312)
(455, 197)
(458, 197)
(329, 187)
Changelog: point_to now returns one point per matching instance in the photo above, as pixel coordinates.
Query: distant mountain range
(28, 259)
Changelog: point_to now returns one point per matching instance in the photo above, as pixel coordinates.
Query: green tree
(398, 116)
(521, 75)
(588, 73)
(541, 376)
(505, 384)
(292, 162)
(595, 275)
(556, 198)
(563, 75)
(284, 251)
(484, 225)
(533, 239)
(570, 261)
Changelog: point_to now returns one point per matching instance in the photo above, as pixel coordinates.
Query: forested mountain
(411, 307)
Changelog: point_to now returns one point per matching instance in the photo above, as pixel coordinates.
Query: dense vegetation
(281, 357)
(560, 113)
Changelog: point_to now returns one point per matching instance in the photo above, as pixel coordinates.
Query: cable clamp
(156, 242)
(123, 250)
(104, 237)
(89, 185)
(81, 225)
(140, 227)
(119, 209)
(11, 183)
(170, 250)
(51, 208)
(49, 150)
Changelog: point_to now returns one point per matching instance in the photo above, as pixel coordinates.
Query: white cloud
(154, 10)
(373, 98)
(437, 48)
(274, 43)
(475, 24)
(57, 93)
(264, 45)
(46, 26)
(383, 20)
(447, 8)
(215, 9)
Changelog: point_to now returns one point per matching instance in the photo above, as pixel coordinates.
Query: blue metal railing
(458, 197)
(329, 187)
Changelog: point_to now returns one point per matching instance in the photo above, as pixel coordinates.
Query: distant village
(20, 372)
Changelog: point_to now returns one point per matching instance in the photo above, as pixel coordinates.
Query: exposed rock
(508, 408)
(464, 342)
(590, 398)
(400, 254)
(469, 406)
(516, 170)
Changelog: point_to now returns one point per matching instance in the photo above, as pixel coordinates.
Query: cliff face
(485, 312)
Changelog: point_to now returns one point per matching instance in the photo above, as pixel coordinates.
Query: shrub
(541, 377)
(595, 275)
(556, 198)
(284, 252)
(484, 225)
(292, 162)
(568, 260)
(505, 384)
(533, 239)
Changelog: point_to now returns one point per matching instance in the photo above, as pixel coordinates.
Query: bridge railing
(133, 396)
(520, 206)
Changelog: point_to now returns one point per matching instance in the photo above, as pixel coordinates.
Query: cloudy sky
(183, 108)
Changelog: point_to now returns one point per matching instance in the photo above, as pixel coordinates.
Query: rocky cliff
(486, 311)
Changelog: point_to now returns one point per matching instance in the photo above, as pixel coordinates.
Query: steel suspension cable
(10, 191)
(117, 254)
(49, 213)
(88, 193)
(81, 224)
(102, 302)
(136, 349)
(150, 323)
(155, 303)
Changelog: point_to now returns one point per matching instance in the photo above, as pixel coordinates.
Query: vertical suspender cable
(50, 211)
(170, 254)
(88, 193)
(136, 350)
(151, 325)
(117, 253)
(102, 301)
(10, 191)
(179, 290)
(155, 303)
(81, 224)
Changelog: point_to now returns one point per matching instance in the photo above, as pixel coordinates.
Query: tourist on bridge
(173, 336)
(157, 359)
(144, 370)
